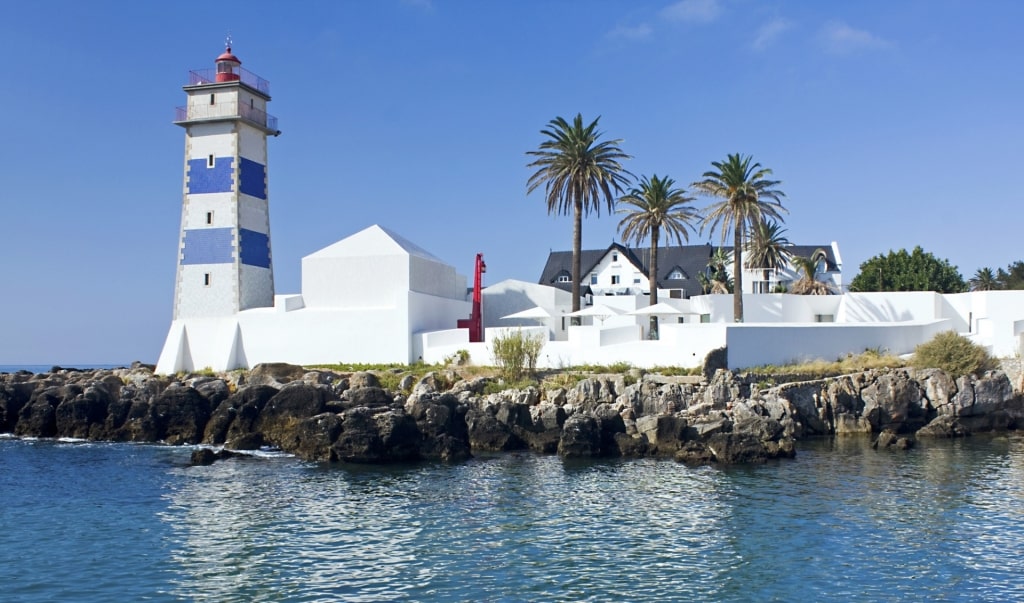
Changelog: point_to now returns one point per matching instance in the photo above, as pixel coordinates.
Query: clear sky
(890, 124)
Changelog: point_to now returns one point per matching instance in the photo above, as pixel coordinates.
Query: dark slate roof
(691, 259)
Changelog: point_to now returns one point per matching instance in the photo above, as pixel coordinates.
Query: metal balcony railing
(219, 110)
(209, 76)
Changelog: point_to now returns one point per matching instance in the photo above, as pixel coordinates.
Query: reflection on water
(840, 522)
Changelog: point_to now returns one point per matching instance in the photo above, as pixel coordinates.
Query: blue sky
(890, 124)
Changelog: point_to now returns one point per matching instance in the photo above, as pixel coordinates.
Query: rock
(84, 415)
(664, 434)
(487, 433)
(177, 416)
(38, 418)
(284, 412)
(275, 374)
(370, 396)
(943, 426)
(732, 449)
(313, 438)
(363, 379)
(694, 453)
(249, 441)
(893, 401)
(629, 446)
(441, 421)
(581, 437)
(214, 390)
(890, 439)
(399, 435)
(13, 397)
(235, 419)
(206, 456)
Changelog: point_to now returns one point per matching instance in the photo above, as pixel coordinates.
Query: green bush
(954, 354)
(515, 354)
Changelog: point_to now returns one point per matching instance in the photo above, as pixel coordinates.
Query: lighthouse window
(207, 277)
(213, 99)
(209, 161)
(209, 217)
(252, 103)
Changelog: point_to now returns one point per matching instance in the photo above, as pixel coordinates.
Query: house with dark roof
(622, 270)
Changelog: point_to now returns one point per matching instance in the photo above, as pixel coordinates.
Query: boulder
(207, 456)
(369, 396)
(893, 401)
(84, 416)
(581, 437)
(313, 438)
(275, 374)
(441, 421)
(235, 418)
(38, 417)
(283, 413)
(487, 433)
(664, 434)
(737, 448)
(13, 397)
(363, 379)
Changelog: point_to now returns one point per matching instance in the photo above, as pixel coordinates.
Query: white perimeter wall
(759, 344)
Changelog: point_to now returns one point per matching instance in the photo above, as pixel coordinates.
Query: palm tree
(807, 267)
(767, 248)
(577, 170)
(655, 207)
(718, 279)
(983, 280)
(746, 197)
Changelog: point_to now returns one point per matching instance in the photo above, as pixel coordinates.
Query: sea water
(841, 522)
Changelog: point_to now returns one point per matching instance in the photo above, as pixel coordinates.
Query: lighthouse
(224, 255)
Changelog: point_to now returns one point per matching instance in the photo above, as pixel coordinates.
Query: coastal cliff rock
(325, 416)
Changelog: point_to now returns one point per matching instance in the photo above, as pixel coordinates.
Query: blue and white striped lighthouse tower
(224, 259)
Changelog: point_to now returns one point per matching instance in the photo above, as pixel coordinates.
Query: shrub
(954, 354)
(716, 359)
(515, 354)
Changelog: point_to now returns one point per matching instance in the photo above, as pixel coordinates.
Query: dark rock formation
(324, 416)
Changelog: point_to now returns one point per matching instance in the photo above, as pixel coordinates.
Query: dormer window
(563, 278)
(676, 275)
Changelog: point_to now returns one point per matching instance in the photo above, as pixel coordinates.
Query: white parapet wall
(753, 345)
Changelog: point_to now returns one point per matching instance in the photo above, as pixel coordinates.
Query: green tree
(1012, 277)
(578, 171)
(983, 280)
(656, 207)
(767, 249)
(807, 267)
(746, 198)
(903, 271)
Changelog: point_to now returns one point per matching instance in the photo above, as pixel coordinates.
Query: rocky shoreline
(328, 416)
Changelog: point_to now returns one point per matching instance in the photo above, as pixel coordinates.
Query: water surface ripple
(842, 522)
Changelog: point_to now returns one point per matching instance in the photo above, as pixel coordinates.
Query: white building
(621, 270)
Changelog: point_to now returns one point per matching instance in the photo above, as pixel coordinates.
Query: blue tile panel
(255, 248)
(216, 179)
(208, 246)
(253, 178)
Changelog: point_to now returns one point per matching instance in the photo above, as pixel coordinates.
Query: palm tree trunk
(652, 277)
(737, 274)
(577, 246)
